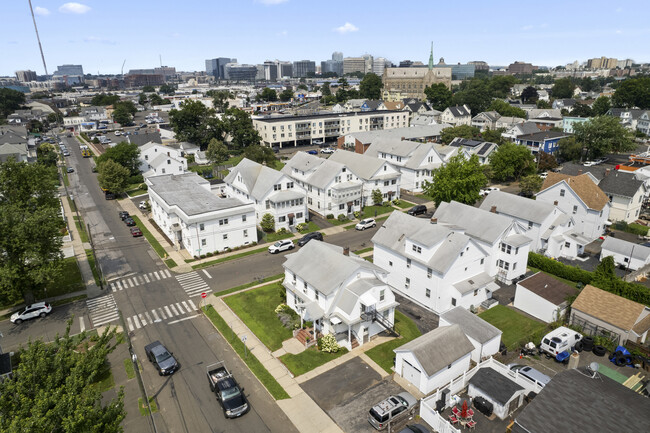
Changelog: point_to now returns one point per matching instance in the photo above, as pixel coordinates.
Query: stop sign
(204, 295)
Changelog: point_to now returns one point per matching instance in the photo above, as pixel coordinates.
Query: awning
(335, 320)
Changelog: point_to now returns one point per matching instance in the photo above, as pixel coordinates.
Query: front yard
(383, 354)
(517, 329)
(309, 359)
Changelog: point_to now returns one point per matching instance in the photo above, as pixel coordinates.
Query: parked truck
(230, 395)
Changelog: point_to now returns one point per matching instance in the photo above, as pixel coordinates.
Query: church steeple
(431, 57)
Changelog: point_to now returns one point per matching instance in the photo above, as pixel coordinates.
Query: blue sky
(100, 35)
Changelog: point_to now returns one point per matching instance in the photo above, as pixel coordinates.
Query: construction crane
(38, 38)
(122, 73)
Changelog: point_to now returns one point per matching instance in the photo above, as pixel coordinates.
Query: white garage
(485, 337)
(435, 358)
(543, 296)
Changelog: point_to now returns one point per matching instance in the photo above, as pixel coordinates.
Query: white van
(559, 340)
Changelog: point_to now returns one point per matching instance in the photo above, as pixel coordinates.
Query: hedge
(558, 269)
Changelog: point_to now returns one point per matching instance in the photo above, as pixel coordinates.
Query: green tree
(563, 88)
(493, 135)
(10, 101)
(148, 89)
(606, 270)
(603, 134)
(238, 126)
(302, 86)
(112, 176)
(286, 95)
(220, 99)
(439, 96)
(370, 86)
(125, 154)
(477, 96)
(104, 99)
(143, 99)
(546, 161)
(377, 197)
(543, 104)
(463, 131)
(500, 85)
(46, 155)
(460, 179)
(217, 152)
(581, 110)
(167, 89)
(268, 223)
(155, 99)
(31, 225)
(53, 388)
(601, 106)
(325, 89)
(529, 94)
(122, 116)
(633, 92)
(260, 154)
(511, 161)
(268, 95)
(35, 126)
(505, 109)
(195, 123)
(54, 117)
(569, 149)
(530, 184)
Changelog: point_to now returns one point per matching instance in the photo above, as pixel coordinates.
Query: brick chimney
(607, 172)
(403, 138)
(434, 220)
(579, 172)
(493, 209)
(555, 202)
(346, 251)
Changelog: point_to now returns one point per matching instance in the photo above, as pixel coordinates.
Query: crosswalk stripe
(105, 321)
(169, 313)
(130, 282)
(186, 307)
(174, 309)
(128, 321)
(142, 279)
(189, 301)
(144, 322)
(146, 313)
(180, 308)
(146, 278)
(157, 276)
(155, 316)
(186, 276)
(135, 281)
(113, 287)
(162, 313)
(137, 322)
(197, 290)
(169, 274)
(207, 291)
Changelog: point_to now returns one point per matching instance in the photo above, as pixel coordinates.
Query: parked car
(66, 153)
(417, 210)
(365, 224)
(488, 190)
(309, 236)
(590, 163)
(69, 170)
(543, 175)
(161, 358)
(559, 340)
(327, 150)
(229, 394)
(136, 232)
(530, 373)
(130, 222)
(387, 410)
(415, 428)
(142, 204)
(312, 152)
(280, 246)
(39, 309)
(118, 133)
(123, 214)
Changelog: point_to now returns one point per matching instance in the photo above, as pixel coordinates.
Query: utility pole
(38, 38)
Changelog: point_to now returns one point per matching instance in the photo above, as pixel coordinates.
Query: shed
(543, 296)
(435, 358)
(504, 394)
(485, 337)
(626, 254)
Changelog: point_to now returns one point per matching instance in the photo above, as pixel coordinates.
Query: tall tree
(581, 110)
(325, 89)
(603, 134)
(529, 94)
(569, 149)
(195, 123)
(601, 106)
(268, 95)
(633, 92)
(156, 99)
(112, 176)
(463, 131)
(31, 224)
(220, 100)
(500, 85)
(530, 184)
(511, 161)
(167, 89)
(370, 86)
(439, 96)
(122, 116)
(493, 135)
(103, 99)
(477, 96)
(148, 89)
(505, 109)
(260, 154)
(543, 104)
(53, 388)
(238, 127)
(217, 152)
(46, 155)
(546, 161)
(460, 179)
(563, 88)
(125, 154)
(286, 95)
(10, 101)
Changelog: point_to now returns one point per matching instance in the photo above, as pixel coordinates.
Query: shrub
(209, 254)
(330, 216)
(282, 231)
(558, 269)
(308, 324)
(300, 227)
(636, 229)
(396, 201)
(268, 223)
(357, 214)
(203, 256)
(342, 218)
(135, 179)
(328, 344)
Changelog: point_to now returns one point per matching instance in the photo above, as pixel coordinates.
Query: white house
(342, 295)
(435, 358)
(331, 187)
(580, 198)
(508, 122)
(375, 173)
(625, 193)
(156, 160)
(271, 191)
(485, 337)
(486, 120)
(196, 219)
(414, 160)
(482, 149)
(456, 116)
(523, 128)
(543, 296)
(626, 254)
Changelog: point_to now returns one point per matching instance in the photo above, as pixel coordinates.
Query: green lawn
(369, 211)
(69, 280)
(170, 263)
(149, 236)
(247, 285)
(144, 411)
(81, 228)
(336, 222)
(310, 227)
(256, 309)
(64, 174)
(309, 359)
(258, 369)
(136, 190)
(128, 366)
(383, 354)
(91, 261)
(273, 237)
(403, 204)
(233, 257)
(517, 329)
(365, 250)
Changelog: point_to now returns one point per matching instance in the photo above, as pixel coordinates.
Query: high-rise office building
(354, 64)
(304, 68)
(69, 70)
(337, 56)
(335, 66)
(602, 63)
(216, 67)
(270, 71)
(285, 69)
(479, 65)
(26, 76)
(379, 65)
(237, 72)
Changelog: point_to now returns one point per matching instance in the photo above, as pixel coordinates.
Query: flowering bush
(328, 344)
(282, 308)
(300, 227)
(357, 214)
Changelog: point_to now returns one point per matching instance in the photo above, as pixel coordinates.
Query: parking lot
(348, 391)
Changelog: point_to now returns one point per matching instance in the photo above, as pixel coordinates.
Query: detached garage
(543, 297)
(435, 358)
(485, 337)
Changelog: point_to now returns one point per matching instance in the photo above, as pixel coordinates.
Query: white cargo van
(559, 340)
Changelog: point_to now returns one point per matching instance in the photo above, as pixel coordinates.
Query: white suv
(281, 246)
(39, 309)
(365, 224)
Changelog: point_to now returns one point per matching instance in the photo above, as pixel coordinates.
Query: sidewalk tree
(603, 134)
(530, 184)
(439, 96)
(512, 161)
(460, 179)
(370, 86)
(377, 196)
(268, 223)
(53, 388)
(31, 227)
(46, 155)
(217, 152)
(112, 176)
(125, 154)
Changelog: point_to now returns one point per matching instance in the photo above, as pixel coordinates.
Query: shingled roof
(608, 307)
(582, 185)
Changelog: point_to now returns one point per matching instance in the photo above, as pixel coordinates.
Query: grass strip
(64, 174)
(170, 263)
(225, 259)
(143, 408)
(130, 371)
(251, 361)
(403, 204)
(93, 266)
(365, 250)
(247, 285)
(150, 237)
(81, 228)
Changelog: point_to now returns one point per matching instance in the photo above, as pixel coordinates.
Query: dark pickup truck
(224, 385)
(161, 358)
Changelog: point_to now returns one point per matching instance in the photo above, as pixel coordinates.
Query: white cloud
(74, 8)
(272, 2)
(619, 32)
(283, 33)
(41, 11)
(346, 28)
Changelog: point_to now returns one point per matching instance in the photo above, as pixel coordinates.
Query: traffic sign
(204, 295)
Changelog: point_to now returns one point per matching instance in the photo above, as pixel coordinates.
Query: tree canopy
(112, 176)
(505, 109)
(439, 96)
(463, 131)
(167, 89)
(477, 95)
(10, 101)
(195, 123)
(217, 152)
(260, 154)
(633, 92)
(220, 99)
(268, 95)
(53, 388)
(370, 86)
(156, 99)
(569, 149)
(511, 161)
(31, 224)
(529, 94)
(460, 179)
(238, 127)
(125, 154)
(603, 134)
(563, 88)
(104, 99)
(530, 184)
(601, 106)
(286, 95)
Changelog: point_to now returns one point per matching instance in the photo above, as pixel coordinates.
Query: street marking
(119, 285)
(128, 322)
(130, 282)
(180, 308)
(169, 313)
(137, 322)
(146, 313)
(135, 281)
(113, 287)
(156, 274)
(186, 307)
(102, 310)
(174, 310)
(155, 316)
(169, 274)
(146, 278)
(184, 318)
(144, 322)
(162, 313)
(82, 324)
(192, 304)
(207, 274)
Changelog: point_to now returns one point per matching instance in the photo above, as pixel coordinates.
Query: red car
(136, 232)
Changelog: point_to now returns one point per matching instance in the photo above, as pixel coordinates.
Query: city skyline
(100, 36)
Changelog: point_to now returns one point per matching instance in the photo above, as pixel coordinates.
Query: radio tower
(38, 37)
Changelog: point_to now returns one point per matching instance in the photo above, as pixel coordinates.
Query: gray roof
(526, 128)
(362, 165)
(13, 149)
(477, 223)
(625, 248)
(573, 402)
(573, 169)
(490, 115)
(459, 111)
(475, 282)
(324, 169)
(351, 294)
(409, 133)
(324, 266)
(258, 178)
(495, 385)
(620, 183)
(144, 138)
(542, 136)
(472, 325)
(437, 349)
(11, 137)
(517, 240)
(186, 192)
(392, 145)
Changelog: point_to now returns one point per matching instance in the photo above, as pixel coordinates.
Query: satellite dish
(594, 366)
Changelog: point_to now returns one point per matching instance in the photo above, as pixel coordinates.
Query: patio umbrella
(463, 411)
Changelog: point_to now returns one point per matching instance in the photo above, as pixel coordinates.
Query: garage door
(411, 373)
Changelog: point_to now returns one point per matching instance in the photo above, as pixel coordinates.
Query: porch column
(350, 336)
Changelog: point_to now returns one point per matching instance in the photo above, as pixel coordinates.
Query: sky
(101, 34)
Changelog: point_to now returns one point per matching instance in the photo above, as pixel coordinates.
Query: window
(282, 219)
(223, 222)
(225, 236)
(289, 185)
(243, 218)
(201, 226)
(561, 193)
(277, 187)
(575, 209)
(475, 292)
(390, 263)
(506, 248)
(417, 249)
(530, 225)
(204, 242)
(316, 295)
(567, 245)
(382, 295)
(304, 286)
(294, 278)
(342, 206)
(429, 272)
(407, 283)
(245, 233)
(408, 263)
(482, 261)
(453, 302)
(268, 204)
(427, 293)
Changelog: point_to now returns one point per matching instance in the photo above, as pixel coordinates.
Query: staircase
(354, 343)
(372, 315)
(303, 335)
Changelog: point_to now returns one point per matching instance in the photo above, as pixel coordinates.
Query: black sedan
(309, 236)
